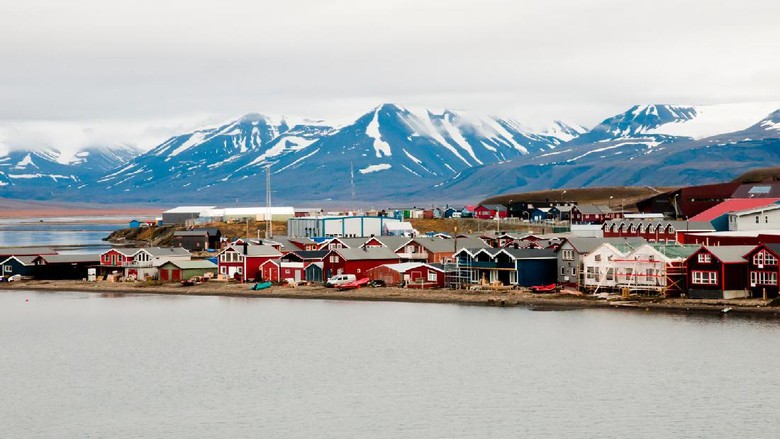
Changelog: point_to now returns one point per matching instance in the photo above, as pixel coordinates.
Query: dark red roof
(733, 205)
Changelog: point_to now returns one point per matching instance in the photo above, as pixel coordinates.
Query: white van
(340, 279)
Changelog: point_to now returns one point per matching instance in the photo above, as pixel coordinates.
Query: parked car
(340, 279)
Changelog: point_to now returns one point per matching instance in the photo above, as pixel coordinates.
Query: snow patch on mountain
(375, 168)
(381, 148)
(564, 131)
(711, 120)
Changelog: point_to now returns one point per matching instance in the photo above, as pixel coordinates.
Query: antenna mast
(352, 179)
(268, 201)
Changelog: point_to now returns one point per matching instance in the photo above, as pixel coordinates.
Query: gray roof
(197, 232)
(678, 225)
(26, 251)
(730, 253)
(285, 243)
(531, 253)
(24, 260)
(254, 250)
(393, 242)
(585, 245)
(159, 252)
(590, 209)
(67, 259)
(258, 250)
(496, 207)
(193, 264)
(371, 253)
(310, 255)
(353, 242)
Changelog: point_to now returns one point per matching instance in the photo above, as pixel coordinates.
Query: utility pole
(268, 201)
(352, 180)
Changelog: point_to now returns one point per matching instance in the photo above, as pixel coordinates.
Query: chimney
(246, 247)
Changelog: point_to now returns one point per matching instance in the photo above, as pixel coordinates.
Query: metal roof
(733, 205)
(27, 251)
(531, 253)
(370, 253)
(585, 245)
(24, 260)
(192, 264)
(166, 251)
(67, 259)
(406, 266)
(730, 253)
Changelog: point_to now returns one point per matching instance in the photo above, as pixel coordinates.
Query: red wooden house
(490, 211)
(269, 271)
(118, 257)
(412, 274)
(356, 260)
(293, 265)
(655, 230)
(593, 214)
(763, 270)
(717, 272)
(243, 262)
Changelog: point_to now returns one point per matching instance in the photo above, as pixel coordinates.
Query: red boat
(543, 288)
(354, 284)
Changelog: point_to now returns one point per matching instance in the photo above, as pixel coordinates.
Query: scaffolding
(456, 276)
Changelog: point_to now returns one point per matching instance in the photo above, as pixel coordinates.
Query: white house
(760, 218)
(599, 267)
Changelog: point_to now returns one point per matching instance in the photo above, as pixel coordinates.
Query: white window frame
(433, 276)
(704, 258)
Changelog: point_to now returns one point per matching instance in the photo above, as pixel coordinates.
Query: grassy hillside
(758, 175)
(614, 196)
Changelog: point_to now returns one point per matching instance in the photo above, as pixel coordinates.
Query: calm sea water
(71, 234)
(86, 365)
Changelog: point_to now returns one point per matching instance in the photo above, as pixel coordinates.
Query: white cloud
(132, 63)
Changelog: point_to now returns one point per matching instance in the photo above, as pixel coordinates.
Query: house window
(334, 259)
(629, 273)
(590, 273)
(610, 274)
(757, 219)
(563, 271)
(704, 277)
(432, 276)
(763, 278)
(704, 258)
(8, 268)
(573, 271)
(597, 258)
(223, 269)
(568, 255)
(764, 258)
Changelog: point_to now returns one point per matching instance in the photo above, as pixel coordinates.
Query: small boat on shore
(541, 289)
(261, 286)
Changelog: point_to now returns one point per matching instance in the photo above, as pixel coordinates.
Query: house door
(176, 275)
(164, 275)
(493, 276)
(297, 275)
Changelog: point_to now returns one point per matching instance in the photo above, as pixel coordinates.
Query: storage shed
(174, 271)
(412, 274)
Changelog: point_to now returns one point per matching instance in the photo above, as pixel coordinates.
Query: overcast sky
(94, 72)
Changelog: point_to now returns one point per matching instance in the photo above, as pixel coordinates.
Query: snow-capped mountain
(388, 147)
(208, 156)
(564, 131)
(648, 145)
(397, 152)
(38, 172)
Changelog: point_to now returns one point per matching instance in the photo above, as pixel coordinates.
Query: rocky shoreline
(504, 298)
